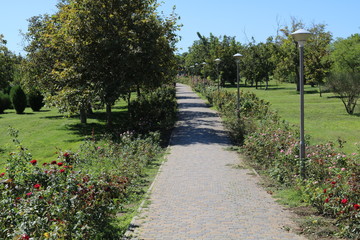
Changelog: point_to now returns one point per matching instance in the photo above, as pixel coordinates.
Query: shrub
(77, 195)
(56, 201)
(5, 102)
(35, 100)
(154, 111)
(18, 99)
(332, 181)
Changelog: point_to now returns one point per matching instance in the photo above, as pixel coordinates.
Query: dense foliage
(18, 99)
(154, 111)
(35, 100)
(77, 195)
(5, 102)
(88, 54)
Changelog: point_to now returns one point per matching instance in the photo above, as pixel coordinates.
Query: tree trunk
(83, 117)
(108, 114)
(320, 90)
(138, 91)
(267, 83)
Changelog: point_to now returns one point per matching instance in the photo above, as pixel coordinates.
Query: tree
(286, 56)
(7, 62)
(317, 62)
(346, 54)
(90, 52)
(257, 64)
(18, 99)
(207, 49)
(347, 86)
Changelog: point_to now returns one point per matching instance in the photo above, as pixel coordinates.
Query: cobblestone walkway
(200, 194)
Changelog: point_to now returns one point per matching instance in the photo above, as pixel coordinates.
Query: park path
(199, 192)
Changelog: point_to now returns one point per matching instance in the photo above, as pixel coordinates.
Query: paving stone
(198, 195)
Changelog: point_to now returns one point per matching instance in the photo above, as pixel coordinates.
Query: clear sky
(241, 18)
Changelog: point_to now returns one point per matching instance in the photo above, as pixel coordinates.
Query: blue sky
(241, 18)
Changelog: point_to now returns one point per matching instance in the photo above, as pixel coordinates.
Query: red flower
(66, 154)
(44, 164)
(33, 162)
(53, 162)
(325, 190)
(356, 206)
(327, 200)
(59, 164)
(344, 201)
(2, 174)
(62, 170)
(333, 182)
(37, 186)
(25, 236)
(29, 194)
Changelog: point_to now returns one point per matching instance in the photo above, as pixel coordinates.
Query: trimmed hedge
(18, 99)
(5, 102)
(35, 100)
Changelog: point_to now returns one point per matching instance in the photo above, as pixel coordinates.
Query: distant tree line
(334, 64)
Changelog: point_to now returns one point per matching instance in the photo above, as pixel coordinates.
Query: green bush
(35, 100)
(76, 196)
(154, 111)
(5, 102)
(18, 99)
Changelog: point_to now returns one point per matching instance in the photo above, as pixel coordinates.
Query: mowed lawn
(46, 132)
(325, 117)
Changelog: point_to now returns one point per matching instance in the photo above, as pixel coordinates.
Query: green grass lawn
(47, 131)
(325, 117)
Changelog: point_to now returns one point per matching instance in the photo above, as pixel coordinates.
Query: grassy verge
(325, 117)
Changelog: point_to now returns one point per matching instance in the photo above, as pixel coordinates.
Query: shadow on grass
(120, 122)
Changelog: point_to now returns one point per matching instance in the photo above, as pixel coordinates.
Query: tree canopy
(92, 52)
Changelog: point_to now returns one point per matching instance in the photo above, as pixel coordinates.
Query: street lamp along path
(237, 57)
(300, 36)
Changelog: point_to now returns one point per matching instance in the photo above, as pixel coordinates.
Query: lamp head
(217, 61)
(237, 57)
(301, 36)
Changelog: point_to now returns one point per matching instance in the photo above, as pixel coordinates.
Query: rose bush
(332, 181)
(72, 198)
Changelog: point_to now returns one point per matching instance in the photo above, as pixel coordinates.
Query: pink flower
(344, 201)
(356, 206)
(2, 174)
(343, 169)
(37, 186)
(62, 170)
(29, 194)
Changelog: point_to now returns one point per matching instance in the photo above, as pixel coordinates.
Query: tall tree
(7, 64)
(317, 62)
(91, 51)
(346, 54)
